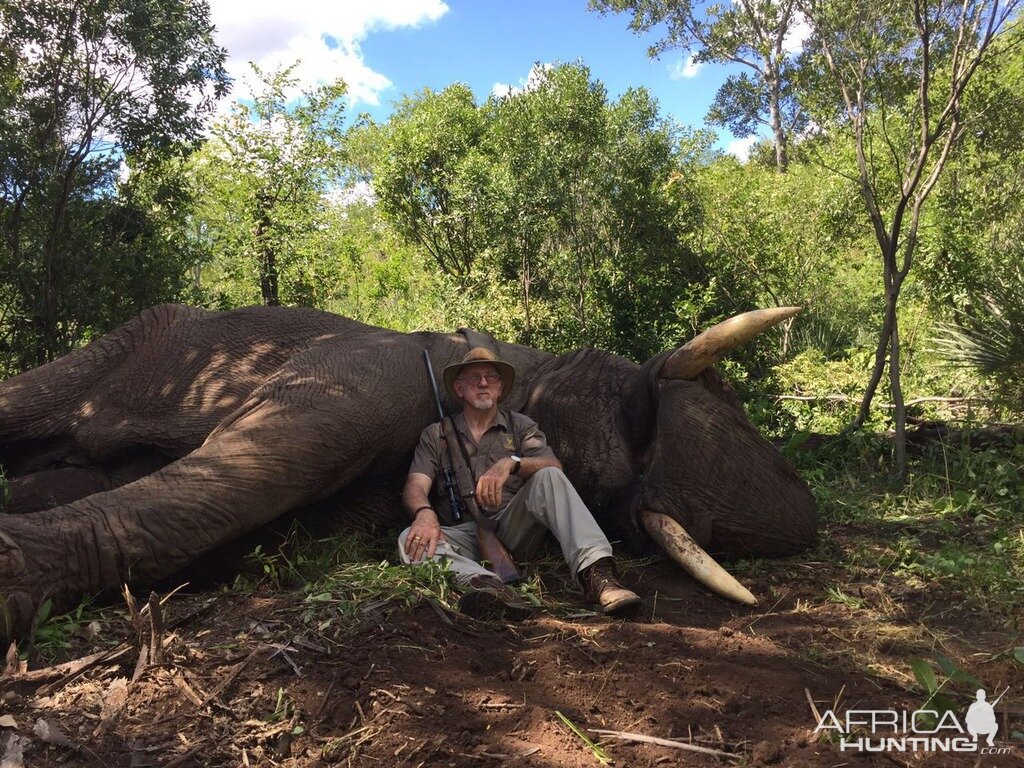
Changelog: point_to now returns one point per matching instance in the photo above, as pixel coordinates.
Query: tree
(975, 224)
(783, 240)
(429, 174)
(554, 196)
(83, 87)
(752, 33)
(264, 177)
(897, 78)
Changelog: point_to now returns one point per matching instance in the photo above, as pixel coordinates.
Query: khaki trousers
(546, 502)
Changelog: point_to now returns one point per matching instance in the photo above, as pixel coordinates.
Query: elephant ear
(712, 345)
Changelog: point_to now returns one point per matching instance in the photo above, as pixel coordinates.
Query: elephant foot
(17, 608)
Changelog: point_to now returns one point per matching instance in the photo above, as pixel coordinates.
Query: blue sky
(390, 48)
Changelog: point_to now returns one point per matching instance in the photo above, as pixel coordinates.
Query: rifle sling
(480, 519)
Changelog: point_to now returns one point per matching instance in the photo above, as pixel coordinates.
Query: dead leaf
(6, 721)
(114, 698)
(51, 734)
(11, 660)
(14, 752)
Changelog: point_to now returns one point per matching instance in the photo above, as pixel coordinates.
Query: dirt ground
(245, 682)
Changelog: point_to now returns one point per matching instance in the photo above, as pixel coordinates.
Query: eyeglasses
(490, 378)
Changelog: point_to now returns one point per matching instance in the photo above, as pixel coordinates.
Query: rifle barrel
(433, 384)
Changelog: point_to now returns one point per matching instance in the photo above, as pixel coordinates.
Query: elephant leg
(272, 458)
(363, 509)
(41, 410)
(54, 487)
(360, 509)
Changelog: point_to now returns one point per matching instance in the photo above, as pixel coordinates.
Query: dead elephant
(184, 429)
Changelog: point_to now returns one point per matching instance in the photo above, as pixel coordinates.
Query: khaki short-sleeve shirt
(511, 433)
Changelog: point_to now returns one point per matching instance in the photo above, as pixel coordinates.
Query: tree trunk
(47, 342)
(787, 332)
(267, 256)
(778, 132)
(526, 299)
(268, 278)
(899, 408)
(880, 357)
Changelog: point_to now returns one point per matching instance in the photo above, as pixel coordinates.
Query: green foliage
(954, 527)
(51, 636)
(989, 334)
(783, 240)
(939, 700)
(428, 173)
(297, 560)
(554, 206)
(358, 266)
(261, 184)
(599, 754)
(894, 78)
(284, 708)
(83, 88)
(752, 34)
(345, 593)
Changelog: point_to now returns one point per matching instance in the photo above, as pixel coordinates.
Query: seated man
(519, 482)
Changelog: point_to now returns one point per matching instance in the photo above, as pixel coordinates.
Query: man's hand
(424, 536)
(488, 487)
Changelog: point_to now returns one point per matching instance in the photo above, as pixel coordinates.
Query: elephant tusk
(687, 553)
(709, 347)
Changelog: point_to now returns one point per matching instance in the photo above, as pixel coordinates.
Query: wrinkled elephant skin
(184, 429)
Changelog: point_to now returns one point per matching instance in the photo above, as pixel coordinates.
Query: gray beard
(483, 406)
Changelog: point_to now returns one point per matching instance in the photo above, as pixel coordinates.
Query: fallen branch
(68, 668)
(847, 399)
(156, 626)
(234, 673)
(814, 709)
(641, 738)
(182, 759)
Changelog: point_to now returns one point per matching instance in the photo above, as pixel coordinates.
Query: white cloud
(275, 34)
(798, 33)
(534, 78)
(741, 147)
(359, 192)
(685, 69)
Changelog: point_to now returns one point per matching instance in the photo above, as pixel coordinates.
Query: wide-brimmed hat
(480, 355)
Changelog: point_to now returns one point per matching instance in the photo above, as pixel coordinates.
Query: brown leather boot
(601, 586)
(488, 598)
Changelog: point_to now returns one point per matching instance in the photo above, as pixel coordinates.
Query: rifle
(491, 547)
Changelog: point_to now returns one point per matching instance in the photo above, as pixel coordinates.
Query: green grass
(952, 540)
(957, 525)
(341, 580)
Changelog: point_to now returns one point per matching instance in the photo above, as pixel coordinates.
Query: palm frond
(988, 332)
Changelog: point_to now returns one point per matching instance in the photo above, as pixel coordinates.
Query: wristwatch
(517, 462)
